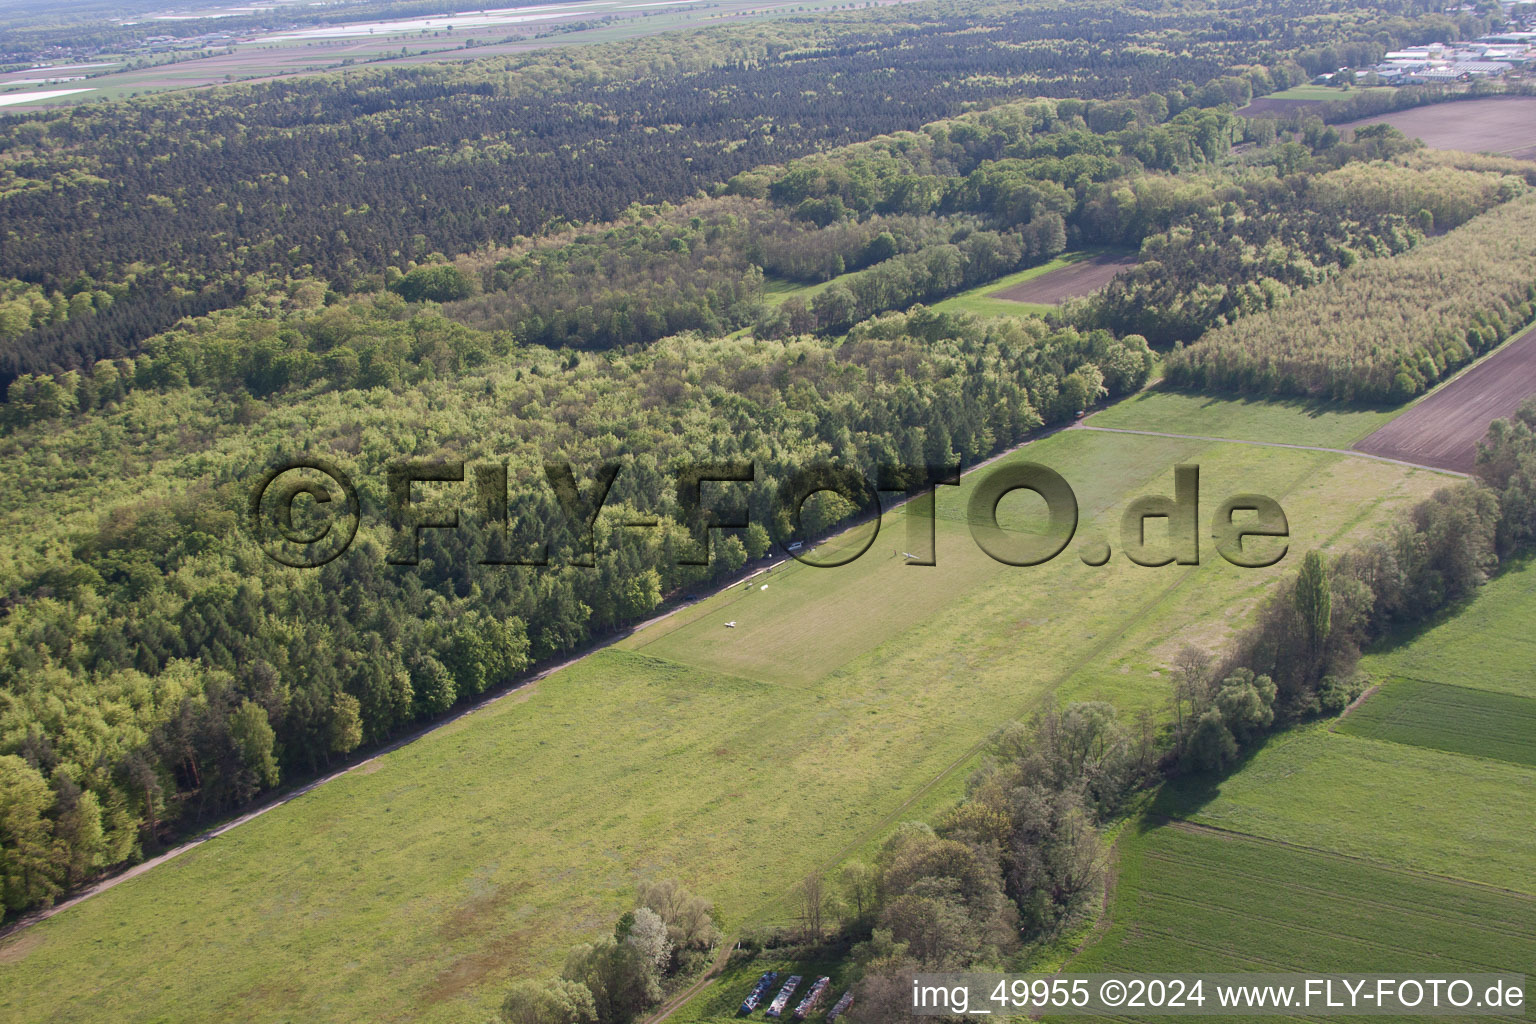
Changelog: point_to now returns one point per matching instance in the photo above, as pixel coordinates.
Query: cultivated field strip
(1459, 719)
(1383, 801)
(1489, 645)
(1190, 900)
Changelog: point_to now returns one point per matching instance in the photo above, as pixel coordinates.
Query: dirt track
(1443, 429)
(1069, 282)
(1496, 124)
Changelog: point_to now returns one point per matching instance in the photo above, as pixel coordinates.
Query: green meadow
(736, 760)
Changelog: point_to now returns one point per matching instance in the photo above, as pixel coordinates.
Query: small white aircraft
(731, 624)
(908, 554)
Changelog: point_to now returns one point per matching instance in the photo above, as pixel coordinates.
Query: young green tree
(1314, 603)
(555, 1002)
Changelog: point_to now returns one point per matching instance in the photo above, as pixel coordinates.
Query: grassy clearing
(1414, 808)
(735, 760)
(1487, 644)
(778, 290)
(1451, 718)
(1195, 900)
(1322, 92)
(1293, 421)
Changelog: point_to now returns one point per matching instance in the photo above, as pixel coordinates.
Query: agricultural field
(1458, 719)
(1443, 428)
(1273, 421)
(1197, 899)
(1077, 276)
(1505, 125)
(1384, 801)
(983, 300)
(434, 40)
(1396, 839)
(1487, 645)
(824, 719)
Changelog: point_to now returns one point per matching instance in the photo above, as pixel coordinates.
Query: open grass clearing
(1285, 421)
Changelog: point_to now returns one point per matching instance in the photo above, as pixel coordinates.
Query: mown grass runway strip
(736, 760)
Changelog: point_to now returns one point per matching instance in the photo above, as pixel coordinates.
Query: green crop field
(1453, 718)
(1371, 844)
(1190, 899)
(1284, 421)
(735, 760)
(1426, 810)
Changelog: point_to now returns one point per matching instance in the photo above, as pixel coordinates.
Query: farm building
(840, 1007)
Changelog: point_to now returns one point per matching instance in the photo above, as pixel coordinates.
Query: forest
(123, 218)
(168, 668)
(1411, 321)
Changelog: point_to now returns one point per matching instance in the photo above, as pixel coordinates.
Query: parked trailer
(808, 1004)
(841, 1007)
(755, 999)
(782, 999)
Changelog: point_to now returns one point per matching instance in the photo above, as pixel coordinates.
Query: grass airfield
(735, 760)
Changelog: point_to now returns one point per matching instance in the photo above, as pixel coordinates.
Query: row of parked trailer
(781, 1001)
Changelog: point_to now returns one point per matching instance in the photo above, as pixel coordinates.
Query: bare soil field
(1069, 282)
(1443, 429)
(1496, 124)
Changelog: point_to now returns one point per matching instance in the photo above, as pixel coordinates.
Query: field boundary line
(1274, 444)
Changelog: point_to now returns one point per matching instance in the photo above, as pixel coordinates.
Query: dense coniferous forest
(122, 218)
